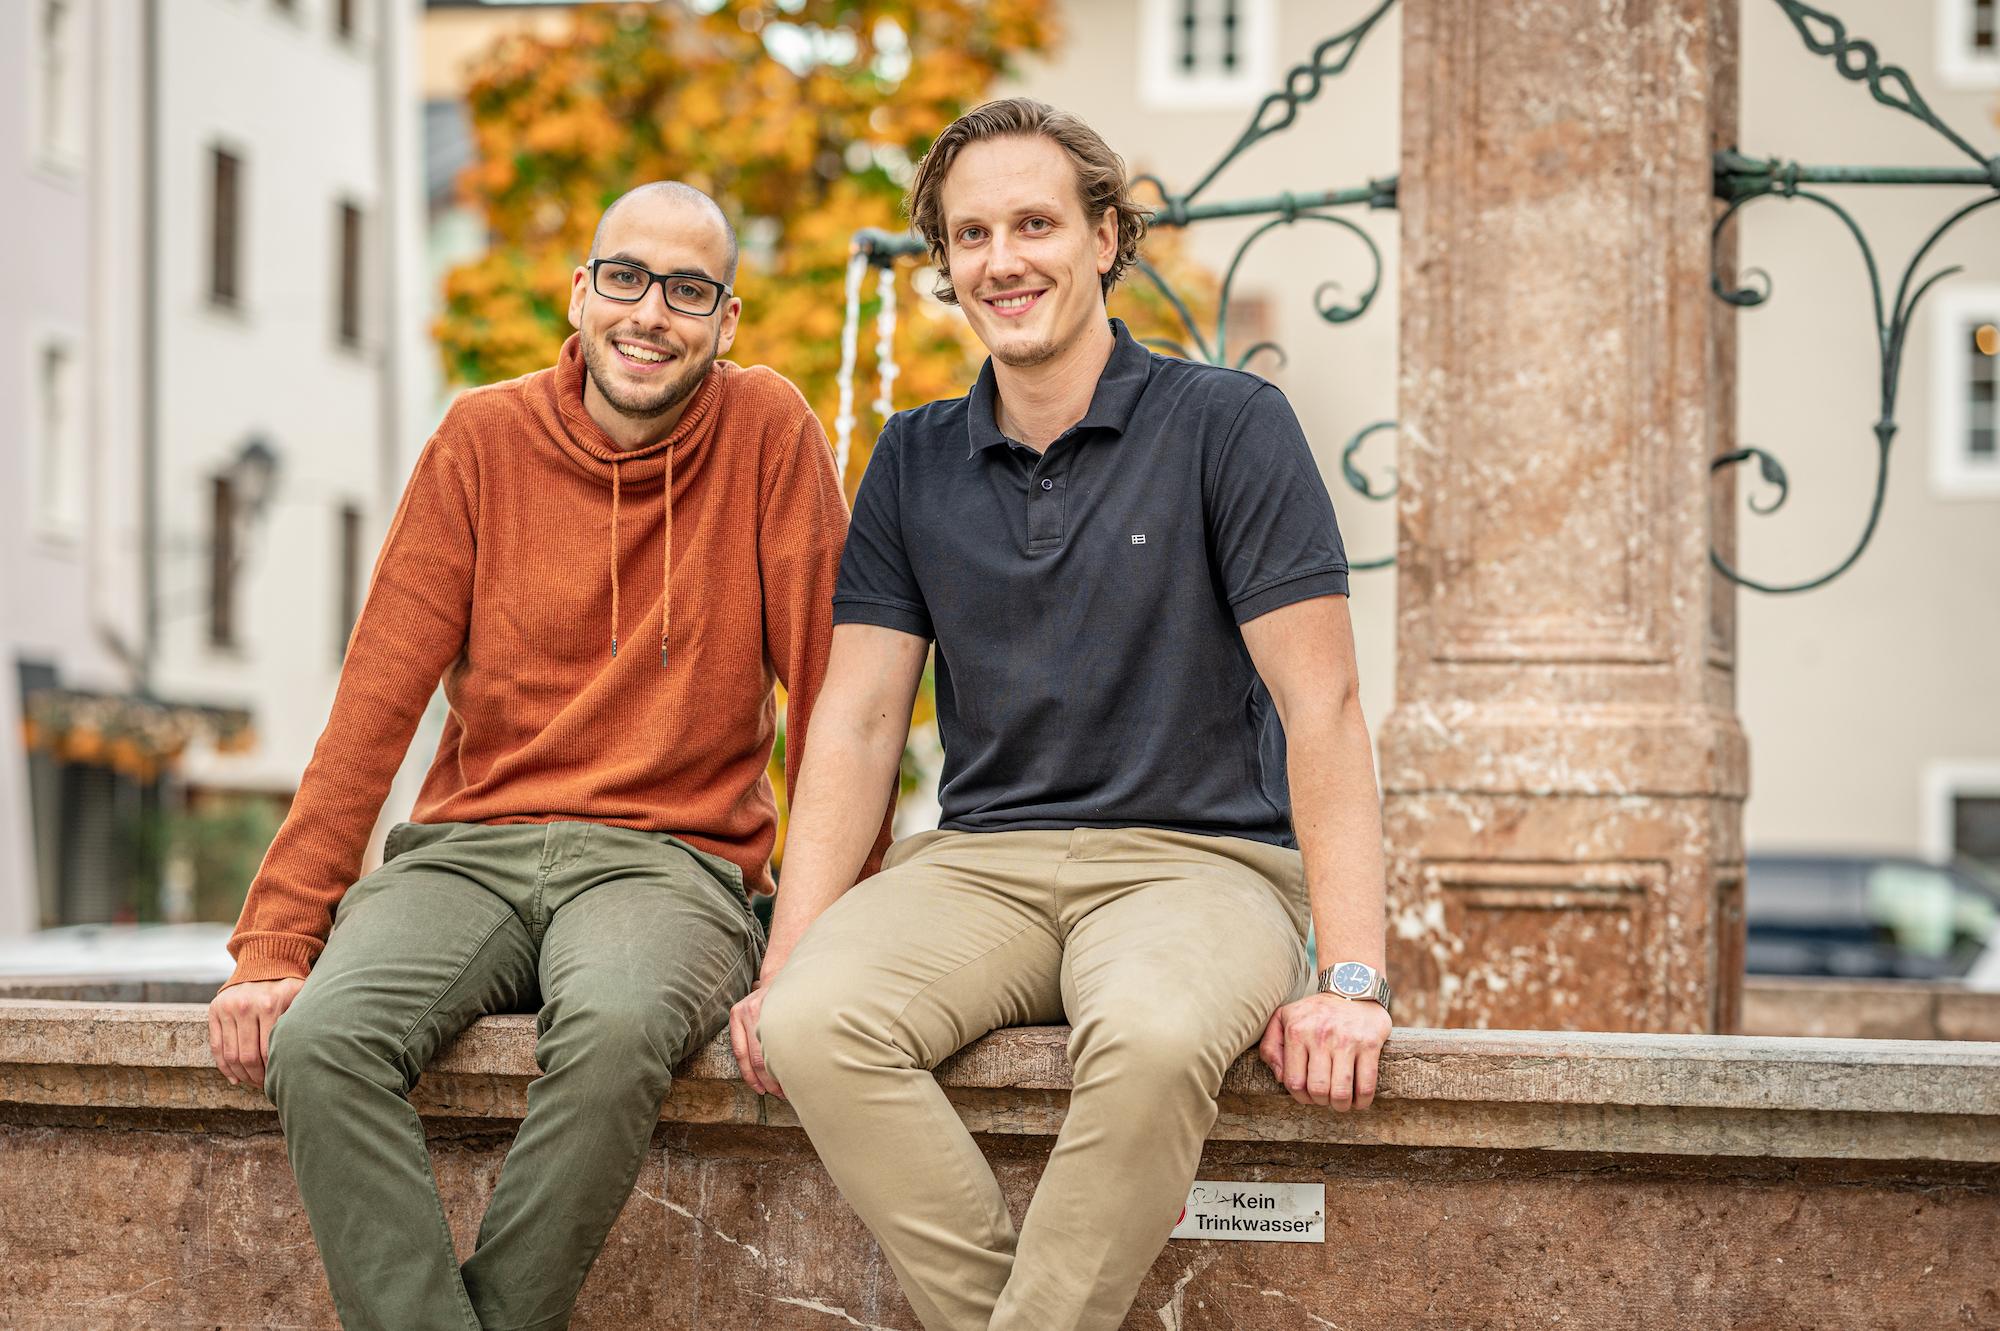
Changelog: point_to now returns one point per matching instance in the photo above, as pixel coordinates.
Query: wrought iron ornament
(1741, 180)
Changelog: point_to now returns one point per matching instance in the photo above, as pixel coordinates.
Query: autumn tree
(801, 118)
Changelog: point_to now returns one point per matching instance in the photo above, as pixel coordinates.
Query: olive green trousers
(632, 946)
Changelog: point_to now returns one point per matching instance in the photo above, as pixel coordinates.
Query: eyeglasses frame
(723, 291)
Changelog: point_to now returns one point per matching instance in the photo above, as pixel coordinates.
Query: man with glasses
(594, 817)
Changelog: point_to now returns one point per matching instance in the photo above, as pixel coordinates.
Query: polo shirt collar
(1111, 405)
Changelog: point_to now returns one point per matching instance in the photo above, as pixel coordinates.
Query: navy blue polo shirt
(1085, 600)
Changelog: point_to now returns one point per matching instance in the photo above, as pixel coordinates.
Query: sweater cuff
(273, 957)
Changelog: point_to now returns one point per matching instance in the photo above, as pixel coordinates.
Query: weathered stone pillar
(1564, 772)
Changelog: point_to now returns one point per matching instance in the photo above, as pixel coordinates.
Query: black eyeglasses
(689, 293)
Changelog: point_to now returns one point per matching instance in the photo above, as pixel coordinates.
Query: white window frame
(61, 527)
(1165, 86)
(1954, 475)
(1958, 64)
(1944, 782)
(63, 159)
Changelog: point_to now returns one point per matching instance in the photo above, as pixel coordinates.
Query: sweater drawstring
(614, 559)
(667, 547)
(667, 559)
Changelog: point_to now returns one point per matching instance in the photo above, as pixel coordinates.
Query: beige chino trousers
(1167, 952)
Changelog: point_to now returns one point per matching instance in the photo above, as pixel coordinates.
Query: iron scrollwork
(1741, 180)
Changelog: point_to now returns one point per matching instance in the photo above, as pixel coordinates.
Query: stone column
(1564, 772)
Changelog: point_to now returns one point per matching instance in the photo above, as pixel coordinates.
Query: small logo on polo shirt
(1138, 538)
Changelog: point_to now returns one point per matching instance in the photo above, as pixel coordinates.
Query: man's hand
(743, 1039)
(1326, 1049)
(240, 1019)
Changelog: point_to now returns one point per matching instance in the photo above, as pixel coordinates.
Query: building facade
(210, 318)
(67, 346)
(1873, 704)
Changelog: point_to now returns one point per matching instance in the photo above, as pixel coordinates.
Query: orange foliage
(804, 153)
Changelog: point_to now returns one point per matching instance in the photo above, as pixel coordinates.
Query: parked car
(1872, 916)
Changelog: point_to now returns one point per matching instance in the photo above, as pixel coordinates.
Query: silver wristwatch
(1356, 980)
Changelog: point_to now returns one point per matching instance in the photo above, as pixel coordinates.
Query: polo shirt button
(1048, 485)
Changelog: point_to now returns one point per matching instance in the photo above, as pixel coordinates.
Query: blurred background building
(210, 356)
(237, 222)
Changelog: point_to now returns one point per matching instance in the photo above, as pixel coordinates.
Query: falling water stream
(850, 344)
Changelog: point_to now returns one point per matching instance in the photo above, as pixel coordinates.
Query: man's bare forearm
(1337, 816)
(846, 780)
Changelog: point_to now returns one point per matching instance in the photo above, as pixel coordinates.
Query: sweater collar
(590, 452)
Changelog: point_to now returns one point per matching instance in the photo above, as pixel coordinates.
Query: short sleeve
(1271, 528)
(876, 583)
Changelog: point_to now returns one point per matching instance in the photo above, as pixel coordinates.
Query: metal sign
(1254, 1212)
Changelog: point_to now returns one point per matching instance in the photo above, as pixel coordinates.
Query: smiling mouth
(1015, 303)
(640, 356)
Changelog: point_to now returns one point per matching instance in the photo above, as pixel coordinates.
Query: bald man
(597, 812)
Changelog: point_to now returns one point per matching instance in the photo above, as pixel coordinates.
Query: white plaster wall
(301, 108)
(63, 592)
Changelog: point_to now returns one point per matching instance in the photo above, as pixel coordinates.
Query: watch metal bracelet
(1356, 981)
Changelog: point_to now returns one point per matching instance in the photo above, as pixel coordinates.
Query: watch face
(1351, 977)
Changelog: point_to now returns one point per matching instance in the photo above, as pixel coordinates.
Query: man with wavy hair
(1156, 768)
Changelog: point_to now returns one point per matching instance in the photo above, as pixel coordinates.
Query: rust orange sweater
(521, 534)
